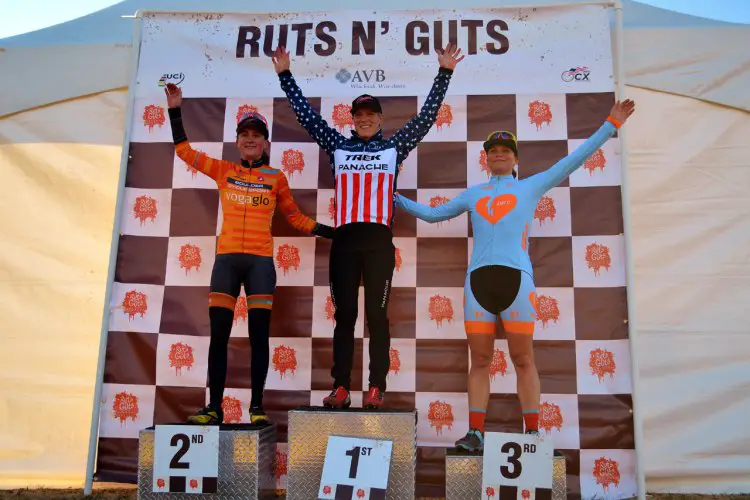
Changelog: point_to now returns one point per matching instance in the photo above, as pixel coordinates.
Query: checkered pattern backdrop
(158, 340)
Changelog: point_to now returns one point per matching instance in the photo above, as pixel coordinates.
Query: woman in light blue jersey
(500, 280)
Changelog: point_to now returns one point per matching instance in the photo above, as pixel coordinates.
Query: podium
(310, 427)
(463, 476)
(246, 456)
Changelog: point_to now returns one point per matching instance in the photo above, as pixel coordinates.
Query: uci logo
(578, 74)
(176, 78)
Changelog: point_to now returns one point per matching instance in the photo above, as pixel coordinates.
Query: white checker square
(185, 176)
(603, 168)
(190, 260)
(477, 171)
(450, 124)
(455, 227)
(323, 321)
(555, 314)
(403, 369)
(326, 207)
(440, 313)
(337, 112)
(503, 377)
(405, 273)
(541, 117)
(552, 214)
(298, 161)
(182, 360)
(558, 420)
(444, 418)
(291, 364)
(135, 307)
(316, 398)
(294, 258)
(608, 474)
(235, 107)
(599, 261)
(126, 409)
(604, 366)
(146, 212)
(407, 171)
(150, 121)
(235, 404)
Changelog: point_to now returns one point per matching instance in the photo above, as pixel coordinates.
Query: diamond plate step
(246, 456)
(309, 428)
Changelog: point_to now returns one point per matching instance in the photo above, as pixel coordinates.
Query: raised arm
(326, 136)
(211, 167)
(449, 210)
(407, 138)
(544, 181)
(295, 217)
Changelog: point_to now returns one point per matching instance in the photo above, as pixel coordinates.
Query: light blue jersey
(502, 209)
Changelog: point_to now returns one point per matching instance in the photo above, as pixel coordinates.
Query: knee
(345, 315)
(523, 361)
(481, 359)
(376, 316)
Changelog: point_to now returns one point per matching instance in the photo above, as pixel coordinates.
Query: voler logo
(176, 78)
(579, 74)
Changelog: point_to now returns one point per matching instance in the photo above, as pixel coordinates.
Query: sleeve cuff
(285, 74)
(445, 71)
(174, 113)
(614, 122)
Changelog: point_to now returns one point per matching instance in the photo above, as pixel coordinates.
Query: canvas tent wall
(63, 100)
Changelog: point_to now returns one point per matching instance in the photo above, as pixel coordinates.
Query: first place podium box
(246, 455)
(310, 428)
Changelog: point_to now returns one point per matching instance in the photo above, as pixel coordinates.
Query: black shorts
(233, 270)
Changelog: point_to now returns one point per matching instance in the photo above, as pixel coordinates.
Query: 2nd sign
(520, 460)
(186, 459)
(355, 468)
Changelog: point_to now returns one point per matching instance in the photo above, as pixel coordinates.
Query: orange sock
(531, 420)
(476, 419)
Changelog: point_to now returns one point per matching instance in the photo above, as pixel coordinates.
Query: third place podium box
(182, 461)
(315, 430)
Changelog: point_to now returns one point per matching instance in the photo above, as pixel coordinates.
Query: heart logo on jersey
(499, 207)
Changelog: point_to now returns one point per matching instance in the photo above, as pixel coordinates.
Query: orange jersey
(249, 197)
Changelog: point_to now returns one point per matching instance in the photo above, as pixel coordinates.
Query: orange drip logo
(326, 490)
(441, 309)
(125, 406)
(602, 362)
(194, 484)
(332, 208)
(547, 310)
(596, 160)
(525, 494)
(444, 116)
(360, 493)
(284, 360)
(395, 365)
(440, 414)
(341, 116)
(539, 113)
(280, 467)
(399, 260)
(240, 309)
(287, 257)
(144, 209)
(153, 116)
(597, 257)
(483, 163)
(232, 408)
(550, 416)
(160, 483)
(330, 309)
(180, 356)
(244, 108)
(190, 257)
(607, 473)
(499, 364)
(545, 209)
(134, 303)
(490, 492)
(292, 160)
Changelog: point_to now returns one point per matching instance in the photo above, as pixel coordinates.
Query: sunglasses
(502, 135)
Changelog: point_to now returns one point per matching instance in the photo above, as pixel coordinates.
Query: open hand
(174, 95)
(622, 110)
(448, 58)
(280, 59)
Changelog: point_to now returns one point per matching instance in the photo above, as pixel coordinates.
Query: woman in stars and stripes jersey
(365, 169)
(500, 280)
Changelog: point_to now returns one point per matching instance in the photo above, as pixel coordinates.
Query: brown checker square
(405, 224)
(142, 259)
(402, 313)
(175, 404)
(150, 165)
(204, 118)
(130, 358)
(587, 112)
(277, 405)
(325, 172)
(538, 156)
(430, 473)
(307, 201)
(285, 125)
(601, 313)
(117, 460)
(487, 113)
(504, 414)
(238, 363)
(556, 363)
(406, 401)
(397, 111)
(322, 261)
(292, 311)
(194, 212)
(322, 362)
(185, 311)
(552, 259)
(433, 356)
(441, 165)
(596, 210)
(442, 261)
(606, 421)
(229, 152)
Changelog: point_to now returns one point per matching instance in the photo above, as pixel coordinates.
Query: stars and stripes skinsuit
(366, 175)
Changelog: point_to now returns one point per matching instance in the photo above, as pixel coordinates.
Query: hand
(280, 60)
(324, 231)
(622, 110)
(448, 59)
(174, 95)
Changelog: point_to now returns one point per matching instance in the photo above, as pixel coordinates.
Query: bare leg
(521, 349)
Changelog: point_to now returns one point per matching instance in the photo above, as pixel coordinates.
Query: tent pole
(96, 407)
(629, 260)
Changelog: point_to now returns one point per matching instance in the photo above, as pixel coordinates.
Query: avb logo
(176, 78)
(361, 76)
(579, 74)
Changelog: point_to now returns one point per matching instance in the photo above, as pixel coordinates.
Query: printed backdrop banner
(544, 73)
